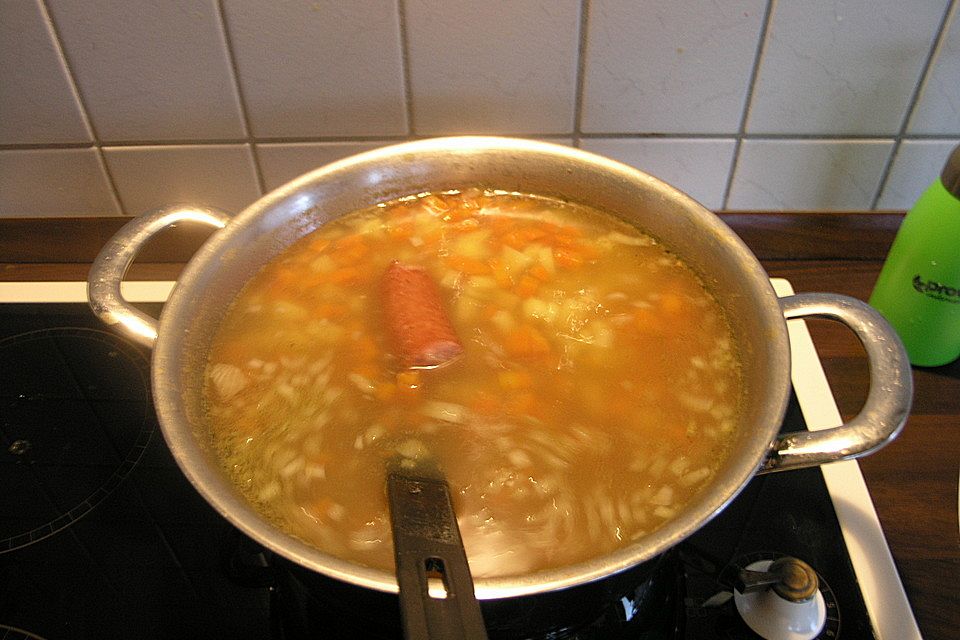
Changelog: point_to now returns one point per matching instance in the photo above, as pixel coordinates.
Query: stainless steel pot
(182, 336)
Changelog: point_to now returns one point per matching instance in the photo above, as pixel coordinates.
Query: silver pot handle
(108, 270)
(888, 400)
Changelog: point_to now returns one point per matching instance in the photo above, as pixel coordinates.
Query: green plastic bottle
(918, 290)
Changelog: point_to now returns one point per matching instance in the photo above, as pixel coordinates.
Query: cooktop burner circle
(75, 419)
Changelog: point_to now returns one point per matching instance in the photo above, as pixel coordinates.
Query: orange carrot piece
(485, 404)
(539, 272)
(527, 286)
(470, 266)
(349, 275)
(649, 323)
(365, 348)
(385, 391)
(525, 341)
(500, 274)
(568, 258)
(409, 385)
(671, 303)
(515, 379)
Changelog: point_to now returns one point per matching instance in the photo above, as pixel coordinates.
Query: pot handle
(108, 270)
(888, 400)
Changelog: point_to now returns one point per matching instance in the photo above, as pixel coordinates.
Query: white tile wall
(151, 70)
(842, 66)
(37, 100)
(917, 165)
(938, 111)
(500, 66)
(74, 183)
(667, 66)
(125, 105)
(808, 174)
(319, 68)
(149, 177)
(283, 162)
(697, 167)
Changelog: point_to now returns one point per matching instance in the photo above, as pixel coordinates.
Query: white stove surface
(883, 592)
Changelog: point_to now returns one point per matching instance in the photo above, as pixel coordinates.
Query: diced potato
(598, 333)
(472, 245)
(503, 321)
(467, 309)
(539, 309)
(545, 256)
(515, 262)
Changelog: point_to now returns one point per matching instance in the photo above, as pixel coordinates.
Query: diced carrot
(519, 238)
(434, 236)
(485, 403)
(365, 348)
(671, 303)
(524, 403)
(467, 224)
(409, 385)
(514, 380)
(490, 310)
(385, 391)
(500, 224)
(369, 370)
(400, 231)
(567, 258)
(649, 323)
(467, 265)
(539, 272)
(527, 286)
(347, 276)
(350, 255)
(525, 341)
(500, 274)
(331, 310)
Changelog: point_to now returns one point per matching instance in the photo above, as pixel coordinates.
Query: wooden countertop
(913, 481)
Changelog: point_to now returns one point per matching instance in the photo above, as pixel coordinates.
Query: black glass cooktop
(101, 536)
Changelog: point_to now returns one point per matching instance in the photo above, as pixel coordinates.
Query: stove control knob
(781, 599)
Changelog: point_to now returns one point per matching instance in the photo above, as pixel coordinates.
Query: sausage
(415, 318)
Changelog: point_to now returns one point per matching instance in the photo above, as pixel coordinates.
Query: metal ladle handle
(113, 261)
(888, 400)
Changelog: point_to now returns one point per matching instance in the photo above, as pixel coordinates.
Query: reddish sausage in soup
(592, 390)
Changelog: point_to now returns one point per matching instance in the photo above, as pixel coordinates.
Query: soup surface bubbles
(596, 393)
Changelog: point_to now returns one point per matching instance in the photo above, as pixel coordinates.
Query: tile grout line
(241, 98)
(401, 137)
(95, 144)
(935, 46)
(405, 66)
(747, 102)
(581, 72)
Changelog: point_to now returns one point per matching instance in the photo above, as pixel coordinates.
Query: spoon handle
(436, 589)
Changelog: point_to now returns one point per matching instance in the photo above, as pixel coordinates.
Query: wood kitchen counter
(913, 481)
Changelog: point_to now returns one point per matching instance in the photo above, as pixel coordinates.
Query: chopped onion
(445, 411)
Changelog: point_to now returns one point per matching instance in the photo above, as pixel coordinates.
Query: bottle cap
(950, 177)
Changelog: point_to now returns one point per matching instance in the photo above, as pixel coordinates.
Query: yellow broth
(597, 392)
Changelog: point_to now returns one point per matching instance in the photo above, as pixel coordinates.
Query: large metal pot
(181, 339)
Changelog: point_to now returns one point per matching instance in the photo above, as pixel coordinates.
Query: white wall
(113, 107)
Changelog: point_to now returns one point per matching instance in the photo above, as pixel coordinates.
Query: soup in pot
(587, 386)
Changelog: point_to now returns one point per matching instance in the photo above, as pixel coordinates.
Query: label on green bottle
(936, 290)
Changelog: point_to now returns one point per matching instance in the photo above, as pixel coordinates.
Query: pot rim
(217, 491)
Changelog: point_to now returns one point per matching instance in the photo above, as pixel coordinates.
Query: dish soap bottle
(918, 290)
